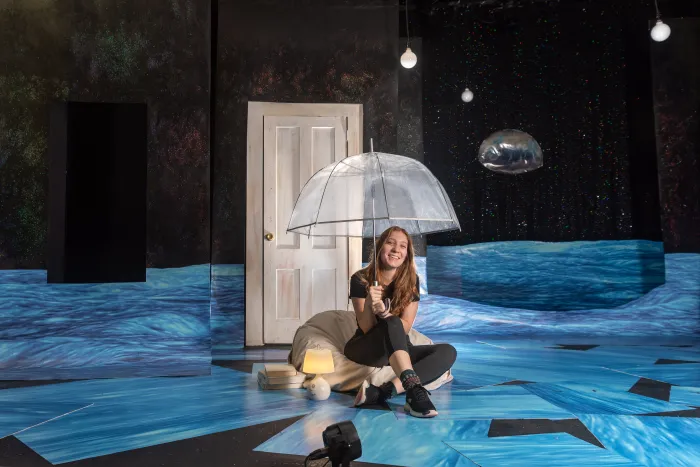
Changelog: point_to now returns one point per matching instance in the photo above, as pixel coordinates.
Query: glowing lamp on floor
(318, 362)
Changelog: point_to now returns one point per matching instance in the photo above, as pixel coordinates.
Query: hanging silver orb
(511, 152)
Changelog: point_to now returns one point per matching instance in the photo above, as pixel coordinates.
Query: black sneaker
(368, 394)
(418, 403)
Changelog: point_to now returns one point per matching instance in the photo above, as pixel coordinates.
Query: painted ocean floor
(632, 289)
(512, 402)
(671, 309)
(227, 308)
(170, 324)
(549, 276)
(157, 327)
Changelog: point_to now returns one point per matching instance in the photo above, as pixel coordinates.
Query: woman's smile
(394, 250)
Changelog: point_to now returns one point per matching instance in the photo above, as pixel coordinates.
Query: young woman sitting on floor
(385, 315)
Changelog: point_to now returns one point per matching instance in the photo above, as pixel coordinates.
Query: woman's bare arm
(363, 311)
(408, 316)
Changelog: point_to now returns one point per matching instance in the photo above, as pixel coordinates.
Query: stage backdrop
(340, 51)
(576, 246)
(676, 65)
(109, 51)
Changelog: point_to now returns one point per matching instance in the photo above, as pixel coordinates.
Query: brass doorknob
(269, 237)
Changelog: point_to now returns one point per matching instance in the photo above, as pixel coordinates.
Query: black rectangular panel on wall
(676, 72)
(97, 204)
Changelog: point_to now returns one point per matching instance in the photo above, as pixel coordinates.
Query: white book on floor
(280, 369)
(282, 382)
(296, 379)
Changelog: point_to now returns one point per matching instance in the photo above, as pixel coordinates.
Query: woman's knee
(395, 335)
(350, 350)
(395, 329)
(364, 353)
(447, 353)
(393, 322)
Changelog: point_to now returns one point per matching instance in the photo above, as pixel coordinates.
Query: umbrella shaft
(374, 242)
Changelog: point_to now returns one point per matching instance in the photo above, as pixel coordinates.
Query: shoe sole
(361, 396)
(429, 414)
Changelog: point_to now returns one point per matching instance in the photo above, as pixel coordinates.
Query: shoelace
(420, 394)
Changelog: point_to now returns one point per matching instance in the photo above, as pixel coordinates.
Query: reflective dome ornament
(511, 152)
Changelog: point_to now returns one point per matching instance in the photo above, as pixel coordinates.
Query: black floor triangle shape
(30, 383)
(651, 388)
(14, 453)
(519, 427)
(233, 448)
(515, 382)
(691, 413)
(581, 347)
(379, 406)
(668, 361)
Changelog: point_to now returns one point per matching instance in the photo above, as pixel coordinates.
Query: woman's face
(394, 251)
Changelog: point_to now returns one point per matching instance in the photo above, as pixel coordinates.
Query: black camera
(342, 445)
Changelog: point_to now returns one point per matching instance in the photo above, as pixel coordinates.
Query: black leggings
(388, 336)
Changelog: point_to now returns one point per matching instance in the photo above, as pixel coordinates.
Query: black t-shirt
(359, 290)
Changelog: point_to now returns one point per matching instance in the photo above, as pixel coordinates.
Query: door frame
(254, 325)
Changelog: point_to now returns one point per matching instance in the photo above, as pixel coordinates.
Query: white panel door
(302, 276)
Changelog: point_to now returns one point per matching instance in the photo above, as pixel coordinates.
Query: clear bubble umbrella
(361, 195)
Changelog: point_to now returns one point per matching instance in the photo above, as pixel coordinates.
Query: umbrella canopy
(360, 195)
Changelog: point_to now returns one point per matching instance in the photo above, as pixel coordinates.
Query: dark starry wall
(107, 51)
(339, 51)
(409, 120)
(676, 65)
(561, 73)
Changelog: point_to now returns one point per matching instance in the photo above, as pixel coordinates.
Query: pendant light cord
(408, 37)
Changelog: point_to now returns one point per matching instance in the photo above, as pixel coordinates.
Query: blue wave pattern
(415, 444)
(422, 270)
(227, 309)
(651, 441)
(547, 276)
(561, 384)
(133, 413)
(18, 417)
(155, 328)
(527, 450)
(671, 309)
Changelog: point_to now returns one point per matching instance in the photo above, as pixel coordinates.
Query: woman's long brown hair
(405, 277)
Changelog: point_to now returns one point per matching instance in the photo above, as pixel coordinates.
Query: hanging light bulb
(408, 59)
(467, 95)
(661, 31)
